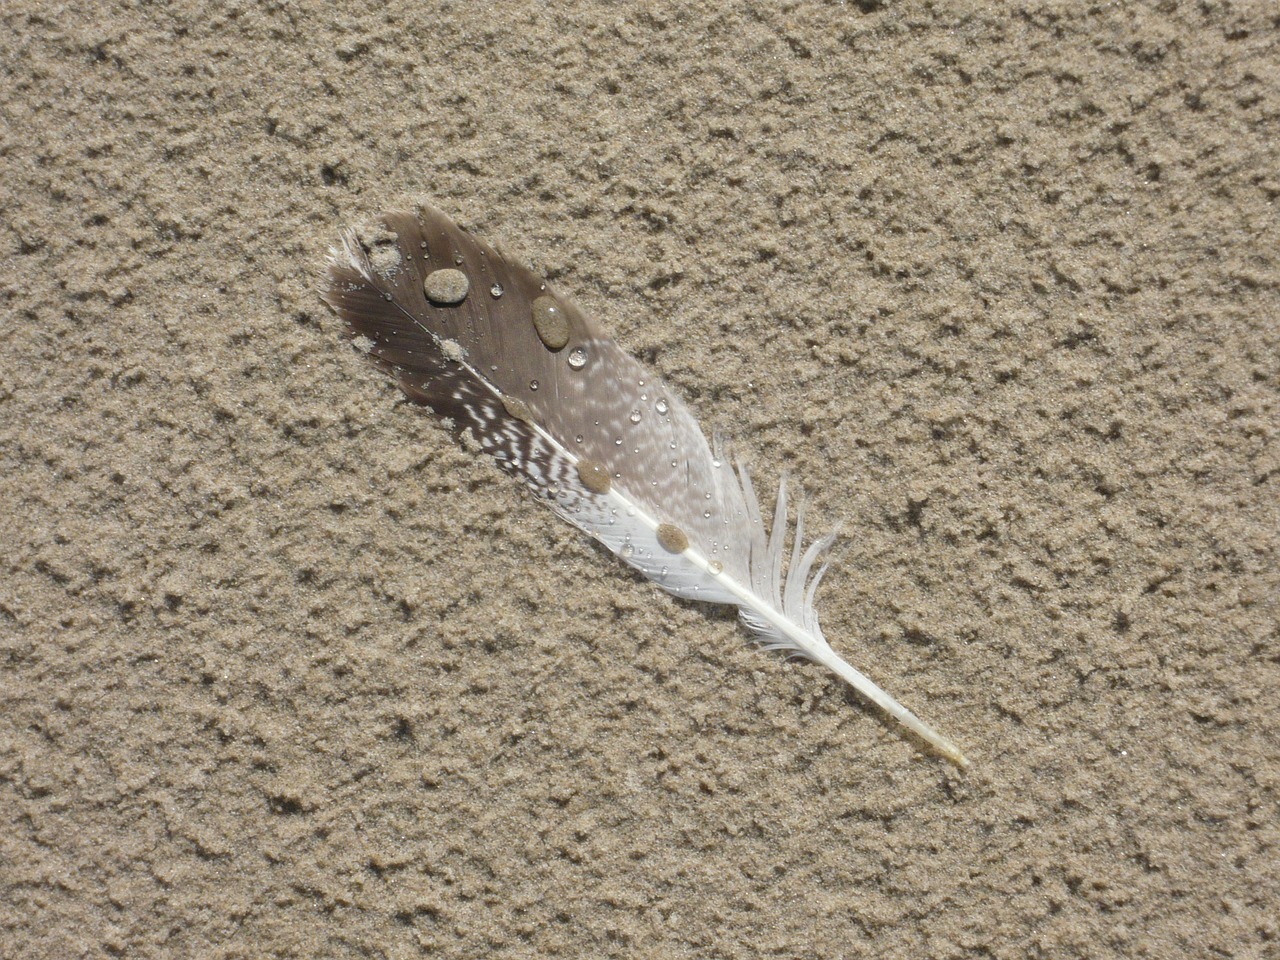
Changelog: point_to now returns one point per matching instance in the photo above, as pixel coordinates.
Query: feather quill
(595, 436)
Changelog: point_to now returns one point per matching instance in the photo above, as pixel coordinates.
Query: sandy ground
(286, 673)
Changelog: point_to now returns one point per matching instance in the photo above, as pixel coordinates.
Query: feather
(595, 436)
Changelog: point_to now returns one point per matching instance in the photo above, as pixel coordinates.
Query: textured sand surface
(285, 673)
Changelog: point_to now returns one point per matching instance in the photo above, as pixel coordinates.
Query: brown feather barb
(596, 437)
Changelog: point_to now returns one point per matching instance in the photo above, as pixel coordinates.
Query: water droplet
(594, 476)
(716, 464)
(446, 287)
(551, 324)
(672, 539)
(706, 514)
(635, 416)
(661, 406)
(627, 551)
(617, 442)
(577, 358)
(644, 397)
(553, 490)
(518, 409)
(578, 438)
(496, 291)
(457, 259)
(715, 568)
(533, 384)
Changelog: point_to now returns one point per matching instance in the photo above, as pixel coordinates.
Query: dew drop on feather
(594, 476)
(661, 406)
(577, 358)
(446, 287)
(672, 539)
(715, 568)
(518, 409)
(496, 291)
(635, 416)
(550, 323)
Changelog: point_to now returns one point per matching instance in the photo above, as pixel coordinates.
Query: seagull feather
(513, 363)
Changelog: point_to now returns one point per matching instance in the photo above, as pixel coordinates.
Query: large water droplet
(577, 358)
(496, 291)
(446, 287)
(672, 539)
(550, 323)
(594, 476)
(661, 406)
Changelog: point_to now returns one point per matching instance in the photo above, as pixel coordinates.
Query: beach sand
(284, 672)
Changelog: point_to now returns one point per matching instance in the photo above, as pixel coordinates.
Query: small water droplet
(644, 396)
(715, 568)
(553, 490)
(577, 358)
(617, 442)
(661, 406)
(533, 384)
(578, 438)
(496, 291)
(457, 259)
(635, 416)
(716, 464)
(706, 514)
(627, 551)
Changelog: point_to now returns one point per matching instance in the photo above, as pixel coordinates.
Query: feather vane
(500, 355)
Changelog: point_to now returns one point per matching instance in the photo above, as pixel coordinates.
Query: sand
(284, 672)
